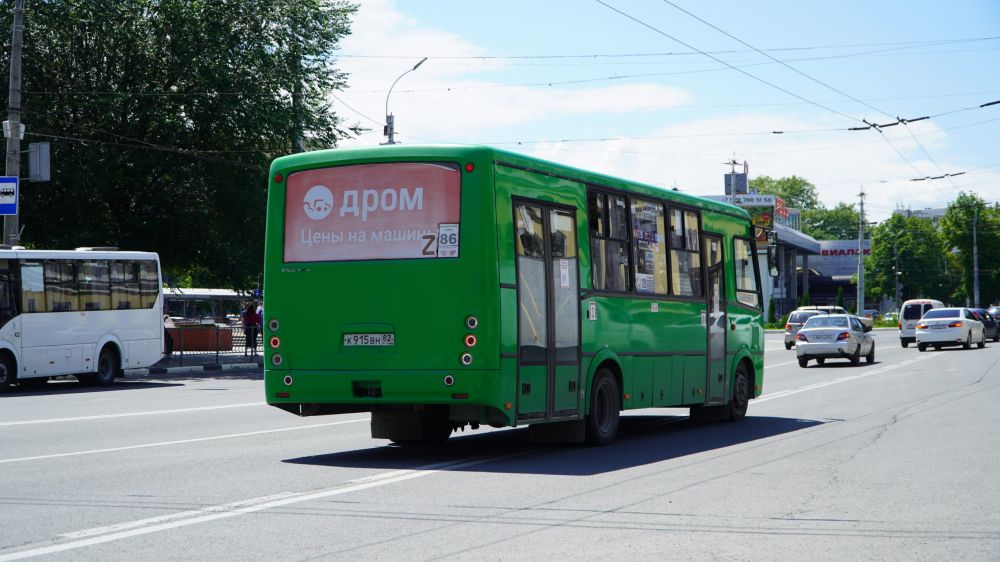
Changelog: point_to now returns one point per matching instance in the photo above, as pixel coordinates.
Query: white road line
(155, 525)
(132, 414)
(877, 371)
(178, 442)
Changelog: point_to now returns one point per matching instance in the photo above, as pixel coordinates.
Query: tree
(795, 191)
(956, 228)
(920, 250)
(164, 116)
(840, 297)
(838, 223)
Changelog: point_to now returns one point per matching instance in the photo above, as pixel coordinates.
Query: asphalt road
(896, 460)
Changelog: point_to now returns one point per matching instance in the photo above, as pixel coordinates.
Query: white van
(912, 311)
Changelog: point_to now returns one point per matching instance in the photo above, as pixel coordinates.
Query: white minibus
(90, 312)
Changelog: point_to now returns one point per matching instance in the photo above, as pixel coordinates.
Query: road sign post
(8, 195)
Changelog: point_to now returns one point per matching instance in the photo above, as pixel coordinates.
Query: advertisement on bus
(373, 212)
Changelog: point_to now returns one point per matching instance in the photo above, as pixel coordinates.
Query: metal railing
(212, 344)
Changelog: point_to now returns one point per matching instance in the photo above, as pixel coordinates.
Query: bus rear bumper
(471, 396)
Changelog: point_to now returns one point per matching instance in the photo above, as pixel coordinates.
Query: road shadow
(641, 440)
(70, 385)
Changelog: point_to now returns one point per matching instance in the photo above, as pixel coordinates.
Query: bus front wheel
(7, 373)
(605, 399)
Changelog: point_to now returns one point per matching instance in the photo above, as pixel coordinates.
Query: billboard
(373, 212)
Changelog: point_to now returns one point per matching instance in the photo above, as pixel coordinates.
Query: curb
(193, 369)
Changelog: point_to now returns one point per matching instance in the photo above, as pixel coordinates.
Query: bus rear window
(373, 212)
(913, 312)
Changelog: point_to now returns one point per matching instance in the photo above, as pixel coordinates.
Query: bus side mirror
(772, 260)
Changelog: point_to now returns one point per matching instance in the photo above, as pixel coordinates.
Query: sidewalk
(201, 362)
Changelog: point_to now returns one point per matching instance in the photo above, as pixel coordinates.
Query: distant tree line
(934, 261)
(163, 117)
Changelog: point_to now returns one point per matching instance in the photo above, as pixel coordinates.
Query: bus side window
(608, 242)
(149, 283)
(32, 287)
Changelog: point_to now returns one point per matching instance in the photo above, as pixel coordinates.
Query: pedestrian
(260, 318)
(168, 340)
(250, 325)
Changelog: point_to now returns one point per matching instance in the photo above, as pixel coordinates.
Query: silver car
(834, 336)
(795, 322)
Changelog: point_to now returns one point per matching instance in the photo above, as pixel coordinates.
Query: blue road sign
(8, 195)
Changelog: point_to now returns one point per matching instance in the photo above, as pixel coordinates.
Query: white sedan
(834, 336)
(949, 326)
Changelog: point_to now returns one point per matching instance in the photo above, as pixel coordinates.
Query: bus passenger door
(716, 320)
(548, 384)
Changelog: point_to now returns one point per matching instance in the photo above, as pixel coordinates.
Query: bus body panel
(424, 303)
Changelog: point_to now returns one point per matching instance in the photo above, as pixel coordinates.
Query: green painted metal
(656, 344)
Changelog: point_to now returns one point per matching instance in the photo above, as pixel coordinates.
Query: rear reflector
(283, 395)
(460, 396)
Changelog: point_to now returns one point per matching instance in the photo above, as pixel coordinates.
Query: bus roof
(78, 254)
(410, 153)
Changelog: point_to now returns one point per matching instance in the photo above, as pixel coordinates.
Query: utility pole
(895, 271)
(13, 169)
(975, 258)
(861, 255)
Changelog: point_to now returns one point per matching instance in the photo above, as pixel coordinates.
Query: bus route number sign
(372, 340)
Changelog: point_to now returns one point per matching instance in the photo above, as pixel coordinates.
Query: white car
(834, 336)
(949, 326)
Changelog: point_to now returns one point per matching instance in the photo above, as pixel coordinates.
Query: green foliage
(838, 223)
(840, 297)
(805, 300)
(795, 191)
(164, 116)
(772, 313)
(922, 257)
(956, 230)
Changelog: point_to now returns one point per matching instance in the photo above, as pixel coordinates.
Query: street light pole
(389, 119)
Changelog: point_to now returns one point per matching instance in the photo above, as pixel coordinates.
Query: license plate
(823, 338)
(937, 327)
(369, 340)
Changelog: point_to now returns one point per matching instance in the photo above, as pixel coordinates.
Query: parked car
(795, 321)
(834, 336)
(870, 313)
(994, 311)
(989, 323)
(949, 326)
(911, 312)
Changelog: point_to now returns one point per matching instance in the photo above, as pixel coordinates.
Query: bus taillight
(274, 342)
(471, 322)
(467, 359)
(273, 324)
(470, 341)
(276, 360)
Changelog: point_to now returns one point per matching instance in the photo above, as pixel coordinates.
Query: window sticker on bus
(372, 212)
(447, 241)
(564, 273)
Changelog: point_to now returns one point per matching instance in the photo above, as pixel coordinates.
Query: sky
(668, 91)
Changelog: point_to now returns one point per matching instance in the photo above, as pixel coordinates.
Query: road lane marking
(877, 371)
(151, 525)
(132, 414)
(178, 442)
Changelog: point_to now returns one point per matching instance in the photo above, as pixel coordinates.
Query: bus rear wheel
(8, 374)
(605, 399)
(107, 369)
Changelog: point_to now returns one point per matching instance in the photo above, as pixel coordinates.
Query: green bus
(444, 286)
